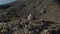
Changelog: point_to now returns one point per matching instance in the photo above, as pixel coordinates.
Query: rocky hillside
(30, 17)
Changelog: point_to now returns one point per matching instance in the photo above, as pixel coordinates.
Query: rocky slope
(31, 17)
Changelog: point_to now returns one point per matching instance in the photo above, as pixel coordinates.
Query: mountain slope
(5, 6)
(30, 17)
